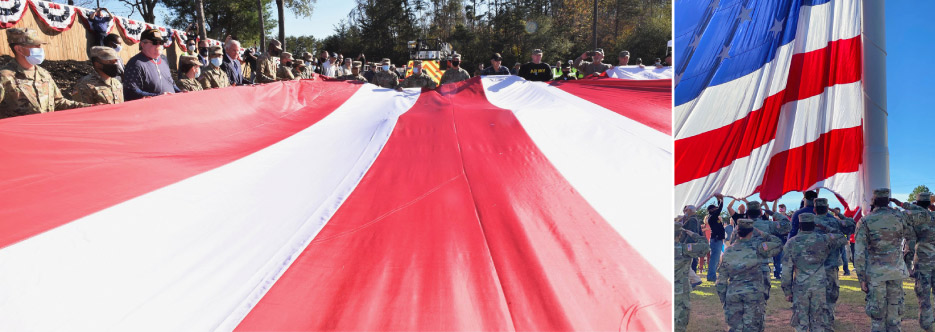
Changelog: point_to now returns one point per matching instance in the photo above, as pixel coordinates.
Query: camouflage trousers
(742, 312)
(831, 292)
(808, 310)
(885, 305)
(682, 311)
(923, 288)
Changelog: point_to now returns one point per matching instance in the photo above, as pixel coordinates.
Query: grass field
(707, 315)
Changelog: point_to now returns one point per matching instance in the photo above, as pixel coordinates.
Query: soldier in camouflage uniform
(266, 67)
(688, 245)
(102, 85)
(922, 255)
(189, 70)
(739, 278)
(690, 222)
(213, 76)
(386, 78)
(455, 73)
(828, 224)
(300, 70)
(776, 228)
(284, 73)
(879, 262)
(418, 79)
(355, 73)
(26, 88)
(588, 68)
(804, 277)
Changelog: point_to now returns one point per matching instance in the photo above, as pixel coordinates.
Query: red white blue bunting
(131, 29)
(11, 12)
(57, 16)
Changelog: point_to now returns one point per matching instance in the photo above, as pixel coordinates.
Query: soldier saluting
(740, 281)
(803, 276)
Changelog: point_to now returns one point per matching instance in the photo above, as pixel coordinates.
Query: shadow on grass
(707, 314)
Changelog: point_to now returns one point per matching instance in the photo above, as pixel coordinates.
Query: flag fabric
(768, 99)
(640, 73)
(489, 204)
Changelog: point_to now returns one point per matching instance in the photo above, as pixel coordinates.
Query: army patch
(689, 247)
(764, 246)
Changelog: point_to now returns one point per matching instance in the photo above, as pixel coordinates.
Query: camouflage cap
(416, 63)
(924, 197)
(355, 64)
(103, 53)
(275, 42)
(881, 193)
(821, 202)
(806, 218)
(285, 55)
(189, 60)
(455, 56)
(306, 55)
(537, 51)
(385, 61)
(215, 50)
(17, 36)
(753, 205)
(745, 223)
(599, 50)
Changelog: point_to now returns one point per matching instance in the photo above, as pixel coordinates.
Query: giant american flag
(768, 99)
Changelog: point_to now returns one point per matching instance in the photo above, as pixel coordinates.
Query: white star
(724, 53)
(777, 27)
(695, 41)
(745, 14)
(714, 4)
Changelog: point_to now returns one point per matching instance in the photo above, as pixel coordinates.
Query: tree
(238, 18)
(301, 8)
(918, 190)
(145, 7)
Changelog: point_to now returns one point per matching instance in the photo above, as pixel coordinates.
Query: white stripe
(800, 123)
(198, 254)
(623, 168)
(725, 103)
(640, 73)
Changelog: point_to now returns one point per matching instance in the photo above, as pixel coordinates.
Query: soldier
(455, 73)
(739, 278)
(300, 70)
(102, 85)
(804, 257)
(690, 222)
(879, 261)
(26, 88)
(266, 64)
(386, 78)
(418, 79)
(213, 76)
(189, 70)
(284, 73)
(495, 67)
(688, 245)
(922, 255)
(355, 73)
(587, 68)
(774, 228)
(828, 224)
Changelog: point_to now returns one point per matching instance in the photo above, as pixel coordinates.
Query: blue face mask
(118, 48)
(416, 71)
(386, 67)
(216, 62)
(36, 56)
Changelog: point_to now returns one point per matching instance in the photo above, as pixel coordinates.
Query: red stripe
(809, 74)
(60, 166)
(797, 169)
(646, 101)
(462, 224)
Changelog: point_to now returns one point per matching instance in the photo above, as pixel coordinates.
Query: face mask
(313, 68)
(821, 209)
(456, 63)
(191, 48)
(274, 52)
(118, 48)
(216, 62)
(197, 72)
(287, 64)
(386, 67)
(112, 70)
(203, 52)
(416, 71)
(36, 56)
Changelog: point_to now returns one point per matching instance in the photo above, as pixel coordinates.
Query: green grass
(708, 315)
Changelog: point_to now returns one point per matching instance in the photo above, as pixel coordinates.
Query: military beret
(881, 193)
(745, 223)
(103, 53)
(753, 205)
(821, 202)
(924, 197)
(19, 36)
(806, 218)
(215, 50)
(190, 60)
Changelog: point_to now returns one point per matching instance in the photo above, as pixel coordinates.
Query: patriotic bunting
(59, 17)
(11, 12)
(131, 29)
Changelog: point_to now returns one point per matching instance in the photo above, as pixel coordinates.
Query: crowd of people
(27, 88)
(806, 249)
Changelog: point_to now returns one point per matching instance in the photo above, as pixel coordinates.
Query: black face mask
(288, 64)
(744, 231)
(274, 52)
(112, 70)
(924, 204)
(821, 209)
(456, 63)
(203, 51)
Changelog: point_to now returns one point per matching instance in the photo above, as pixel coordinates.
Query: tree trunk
(282, 23)
(259, 6)
(201, 19)
(147, 11)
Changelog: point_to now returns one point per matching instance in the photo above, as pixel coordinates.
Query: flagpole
(876, 150)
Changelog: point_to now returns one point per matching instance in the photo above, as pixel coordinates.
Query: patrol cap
(285, 55)
(355, 64)
(189, 60)
(806, 218)
(17, 36)
(103, 53)
(215, 50)
(306, 55)
(496, 56)
(537, 51)
(275, 43)
(153, 35)
(416, 63)
(623, 54)
(924, 197)
(821, 202)
(881, 193)
(298, 63)
(745, 223)
(753, 205)
(385, 61)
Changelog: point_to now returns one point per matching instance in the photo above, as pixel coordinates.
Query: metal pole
(876, 152)
(594, 25)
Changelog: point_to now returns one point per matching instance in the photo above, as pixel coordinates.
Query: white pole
(876, 153)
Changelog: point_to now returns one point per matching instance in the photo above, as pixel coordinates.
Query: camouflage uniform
(419, 81)
(302, 74)
(922, 257)
(285, 74)
(832, 225)
(777, 228)
(386, 79)
(879, 262)
(188, 84)
(214, 77)
(451, 75)
(804, 258)
(93, 89)
(688, 246)
(265, 69)
(24, 92)
(740, 281)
